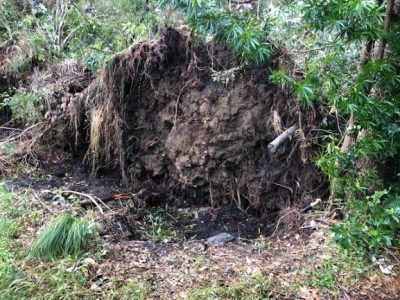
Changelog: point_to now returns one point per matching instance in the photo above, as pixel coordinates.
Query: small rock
(220, 238)
(386, 269)
(90, 263)
(95, 288)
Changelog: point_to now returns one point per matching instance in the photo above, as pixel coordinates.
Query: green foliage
(10, 13)
(372, 224)
(157, 227)
(336, 271)
(90, 36)
(304, 93)
(301, 89)
(93, 37)
(9, 273)
(351, 20)
(24, 106)
(280, 78)
(368, 92)
(64, 236)
(246, 34)
(255, 287)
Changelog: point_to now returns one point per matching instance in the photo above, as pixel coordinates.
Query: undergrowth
(25, 277)
(64, 236)
(9, 230)
(157, 227)
(336, 273)
(255, 287)
(371, 225)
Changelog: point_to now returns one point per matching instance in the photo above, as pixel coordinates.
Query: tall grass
(64, 236)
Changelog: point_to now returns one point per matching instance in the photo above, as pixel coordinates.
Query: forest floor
(163, 252)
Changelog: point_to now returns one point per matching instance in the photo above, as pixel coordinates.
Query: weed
(256, 287)
(157, 226)
(137, 289)
(341, 270)
(10, 276)
(64, 236)
(261, 244)
(224, 76)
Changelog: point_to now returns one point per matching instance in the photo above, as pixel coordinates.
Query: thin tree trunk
(366, 55)
(348, 139)
(386, 26)
(365, 58)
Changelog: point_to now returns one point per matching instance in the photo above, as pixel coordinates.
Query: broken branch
(281, 139)
(91, 198)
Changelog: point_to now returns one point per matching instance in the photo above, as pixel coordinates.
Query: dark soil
(60, 172)
(169, 127)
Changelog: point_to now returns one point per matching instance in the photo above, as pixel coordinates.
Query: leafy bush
(64, 236)
(10, 14)
(247, 35)
(24, 106)
(372, 224)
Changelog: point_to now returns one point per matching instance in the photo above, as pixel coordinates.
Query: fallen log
(281, 139)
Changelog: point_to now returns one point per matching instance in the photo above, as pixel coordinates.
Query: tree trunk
(386, 26)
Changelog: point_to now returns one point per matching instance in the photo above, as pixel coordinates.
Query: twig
(42, 203)
(10, 128)
(283, 186)
(279, 221)
(117, 197)
(91, 198)
(8, 140)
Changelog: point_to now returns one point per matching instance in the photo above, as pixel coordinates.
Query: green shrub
(246, 34)
(24, 106)
(64, 236)
(371, 224)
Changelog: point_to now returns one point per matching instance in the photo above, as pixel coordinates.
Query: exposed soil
(156, 115)
(60, 172)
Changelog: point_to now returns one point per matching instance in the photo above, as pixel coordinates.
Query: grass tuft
(64, 236)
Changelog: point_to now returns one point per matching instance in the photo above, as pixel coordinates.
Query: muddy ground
(63, 172)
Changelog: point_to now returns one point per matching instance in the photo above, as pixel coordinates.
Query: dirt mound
(181, 119)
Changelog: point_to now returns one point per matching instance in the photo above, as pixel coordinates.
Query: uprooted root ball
(160, 115)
